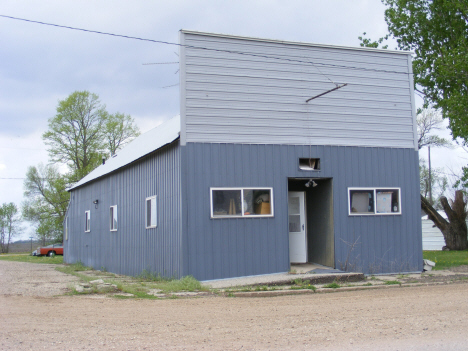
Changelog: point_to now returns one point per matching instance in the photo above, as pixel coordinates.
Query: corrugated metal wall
(221, 248)
(240, 98)
(132, 248)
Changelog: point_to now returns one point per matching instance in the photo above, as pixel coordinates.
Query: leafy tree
(79, 135)
(9, 225)
(119, 129)
(75, 133)
(82, 132)
(46, 201)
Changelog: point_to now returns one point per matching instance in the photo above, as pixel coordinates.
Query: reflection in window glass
(227, 203)
(387, 201)
(362, 201)
(257, 202)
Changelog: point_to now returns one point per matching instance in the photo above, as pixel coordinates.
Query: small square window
(113, 218)
(151, 212)
(387, 201)
(87, 224)
(362, 201)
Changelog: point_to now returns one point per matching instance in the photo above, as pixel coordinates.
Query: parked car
(50, 250)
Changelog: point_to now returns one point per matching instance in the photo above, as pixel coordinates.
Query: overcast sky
(42, 64)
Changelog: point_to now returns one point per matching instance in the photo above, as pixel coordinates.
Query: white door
(297, 227)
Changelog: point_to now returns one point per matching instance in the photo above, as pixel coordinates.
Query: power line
(205, 48)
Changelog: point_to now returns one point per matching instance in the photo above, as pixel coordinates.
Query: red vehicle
(50, 250)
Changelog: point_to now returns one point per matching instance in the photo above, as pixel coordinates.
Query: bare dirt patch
(29, 279)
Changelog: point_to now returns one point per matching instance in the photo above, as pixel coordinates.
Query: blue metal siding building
(245, 127)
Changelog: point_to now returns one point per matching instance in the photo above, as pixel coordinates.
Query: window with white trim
(151, 212)
(66, 228)
(113, 218)
(374, 201)
(241, 202)
(87, 224)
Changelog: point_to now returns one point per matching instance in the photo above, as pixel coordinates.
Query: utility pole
(31, 242)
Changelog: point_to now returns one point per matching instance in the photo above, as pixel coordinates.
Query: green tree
(46, 201)
(79, 135)
(119, 129)
(74, 136)
(9, 225)
(82, 132)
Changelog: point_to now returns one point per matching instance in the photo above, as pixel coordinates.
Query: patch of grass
(392, 282)
(367, 284)
(298, 281)
(261, 288)
(333, 285)
(447, 259)
(57, 259)
(71, 268)
(296, 287)
(187, 283)
(149, 276)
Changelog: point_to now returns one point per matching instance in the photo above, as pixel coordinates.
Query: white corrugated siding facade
(243, 90)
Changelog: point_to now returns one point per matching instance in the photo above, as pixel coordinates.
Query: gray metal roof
(146, 143)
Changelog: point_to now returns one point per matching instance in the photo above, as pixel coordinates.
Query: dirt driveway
(417, 318)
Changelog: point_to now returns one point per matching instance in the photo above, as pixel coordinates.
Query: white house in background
(432, 237)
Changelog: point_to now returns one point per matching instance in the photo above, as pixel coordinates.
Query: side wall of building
(132, 248)
(230, 247)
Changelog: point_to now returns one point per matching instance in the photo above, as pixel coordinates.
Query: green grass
(333, 285)
(31, 259)
(447, 259)
(392, 282)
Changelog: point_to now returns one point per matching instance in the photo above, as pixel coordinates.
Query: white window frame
(375, 190)
(242, 202)
(111, 218)
(87, 227)
(66, 228)
(155, 209)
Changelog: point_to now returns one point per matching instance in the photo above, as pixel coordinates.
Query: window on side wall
(66, 228)
(241, 202)
(151, 212)
(87, 224)
(374, 201)
(113, 218)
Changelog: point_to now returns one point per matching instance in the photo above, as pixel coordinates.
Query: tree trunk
(454, 230)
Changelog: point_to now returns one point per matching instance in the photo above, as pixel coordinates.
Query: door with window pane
(297, 227)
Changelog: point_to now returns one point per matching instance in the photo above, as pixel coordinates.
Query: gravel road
(417, 318)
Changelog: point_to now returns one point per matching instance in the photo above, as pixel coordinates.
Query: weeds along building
(283, 153)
